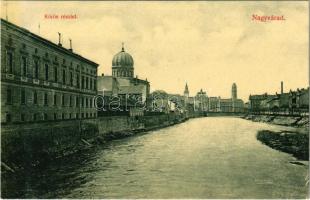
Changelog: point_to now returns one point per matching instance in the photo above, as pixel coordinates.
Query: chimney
(70, 45)
(59, 39)
(281, 87)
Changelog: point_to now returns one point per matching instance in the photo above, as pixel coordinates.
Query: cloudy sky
(209, 45)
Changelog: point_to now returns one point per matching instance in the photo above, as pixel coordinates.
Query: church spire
(186, 91)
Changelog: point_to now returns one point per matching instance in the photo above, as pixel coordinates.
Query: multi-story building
(213, 105)
(122, 86)
(41, 80)
(201, 101)
(285, 103)
(233, 104)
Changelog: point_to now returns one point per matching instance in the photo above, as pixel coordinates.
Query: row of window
(86, 82)
(58, 99)
(24, 49)
(122, 73)
(55, 116)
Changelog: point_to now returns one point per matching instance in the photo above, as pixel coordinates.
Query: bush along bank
(293, 143)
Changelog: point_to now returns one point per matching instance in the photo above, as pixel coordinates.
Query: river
(216, 157)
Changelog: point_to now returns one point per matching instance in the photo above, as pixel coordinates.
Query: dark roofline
(64, 50)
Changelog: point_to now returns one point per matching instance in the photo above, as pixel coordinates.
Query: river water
(202, 158)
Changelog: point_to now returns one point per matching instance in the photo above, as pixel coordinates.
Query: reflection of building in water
(122, 83)
(41, 80)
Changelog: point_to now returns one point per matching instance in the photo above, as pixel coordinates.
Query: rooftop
(45, 41)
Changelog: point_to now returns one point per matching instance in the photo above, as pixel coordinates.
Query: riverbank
(295, 143)
(295, 121)
(25, 146)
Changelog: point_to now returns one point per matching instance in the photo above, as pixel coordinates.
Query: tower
(234, 91)
(281, 87)
(234, 96)
(186, 91)
(122, 64)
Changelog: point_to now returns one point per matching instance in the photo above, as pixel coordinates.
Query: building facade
(122, 85)
(41, 80)
(282, 103)
(233, 104)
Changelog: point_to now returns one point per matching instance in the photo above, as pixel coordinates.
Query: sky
(210, 45)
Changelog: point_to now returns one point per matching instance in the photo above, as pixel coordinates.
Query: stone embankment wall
(301, 121)
(27, 145)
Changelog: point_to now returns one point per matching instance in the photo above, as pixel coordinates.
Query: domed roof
(122, 59)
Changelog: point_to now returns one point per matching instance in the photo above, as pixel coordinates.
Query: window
(64, 76)
(86, 99)
(55, 74)
(90, 102)
(70, 100)
(95, 86)
(36, 69)
(35, 97)
(63, 116)
(23, 96)
(10, 62)
(24, 66)
(70, 116)
(9, 96)
(22, 117)
(77, 115)
(86, 115)
(55, 99)
(45, 116)
(35, 117)
(82, 115)
(77, 80)
(63, 100)
(86, 82)
(8, 117)
(45, 99)
(91, 84)
(55, 116)
(46, 72)
(77, 103)
(71, 79)
(82, 102)
(82, 82)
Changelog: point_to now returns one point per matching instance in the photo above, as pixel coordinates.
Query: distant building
(201, 101)
(41, 80)
(255, 101)
(232, 104)
(122, 83)
(299, 99)
(285, 103)
(213, 104)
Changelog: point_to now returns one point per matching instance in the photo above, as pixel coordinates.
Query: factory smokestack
(281, 87)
